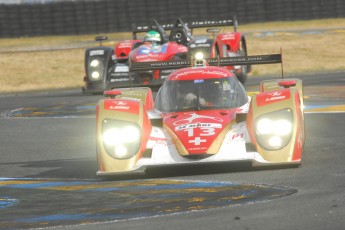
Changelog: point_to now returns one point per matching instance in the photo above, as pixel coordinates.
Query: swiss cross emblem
(197, 141)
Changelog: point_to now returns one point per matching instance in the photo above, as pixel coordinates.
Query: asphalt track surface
(48, 165)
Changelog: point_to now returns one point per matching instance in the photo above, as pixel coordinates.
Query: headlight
(95, 69)
(120, 151)
(121, 139)
(94, 63)
(279, 127)
(199, 55)
(264, 126)
(115, 136)
(273, 130)
(95, 75)
(283, 127)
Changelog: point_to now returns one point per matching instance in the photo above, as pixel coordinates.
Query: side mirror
(287, 83)
(100, 39)
(112, 93)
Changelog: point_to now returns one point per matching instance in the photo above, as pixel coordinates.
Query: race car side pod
(225, 61)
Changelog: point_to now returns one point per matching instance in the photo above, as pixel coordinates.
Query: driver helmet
(153, 37)
(212, 93)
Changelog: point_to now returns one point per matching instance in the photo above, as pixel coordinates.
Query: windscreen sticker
(226, 86)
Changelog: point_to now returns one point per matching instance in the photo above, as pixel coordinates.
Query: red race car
(224, 44)
(201, 115)
(107, 67)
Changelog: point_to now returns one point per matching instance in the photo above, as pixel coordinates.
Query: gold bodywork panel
(106, 162)
(286, 153)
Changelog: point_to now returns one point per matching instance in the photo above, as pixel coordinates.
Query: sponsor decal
(161, 64)
(194, 116)
(200, 71)
(212, 22)
(122, 105)
(119, 107)
(119, 80)
(199, 125)
(228, 37)
(121, 69)
(237, 136)
(197, 149)
(121, 102)
(198, 41)
(125, 44)
(119, 74)
(203, 45)
(96, 52)
(272, 97)
(275, 96)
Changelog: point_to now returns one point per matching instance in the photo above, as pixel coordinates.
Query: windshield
(204, 94)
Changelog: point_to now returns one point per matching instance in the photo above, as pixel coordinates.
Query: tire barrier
(106, 16)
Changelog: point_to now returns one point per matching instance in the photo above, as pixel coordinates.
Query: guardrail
(105, 16)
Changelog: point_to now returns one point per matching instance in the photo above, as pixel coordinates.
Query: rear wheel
(245, 69)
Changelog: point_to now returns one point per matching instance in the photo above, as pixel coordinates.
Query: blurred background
(25, 18)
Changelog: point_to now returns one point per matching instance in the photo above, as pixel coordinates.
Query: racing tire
(243, 75)
(245, 69)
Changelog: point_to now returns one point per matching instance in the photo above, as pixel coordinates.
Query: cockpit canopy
(200, 94)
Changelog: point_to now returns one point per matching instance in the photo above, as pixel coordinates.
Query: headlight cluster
(199, 55)
(96, 69)
(199, 52)
(273, 130)
(121, 139)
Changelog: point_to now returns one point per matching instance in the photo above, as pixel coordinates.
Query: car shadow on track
(86, 168)
(196, 170)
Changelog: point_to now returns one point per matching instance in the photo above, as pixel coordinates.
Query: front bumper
(161, 158)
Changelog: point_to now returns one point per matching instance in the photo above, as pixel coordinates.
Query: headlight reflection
(121, 139)
(274, 130)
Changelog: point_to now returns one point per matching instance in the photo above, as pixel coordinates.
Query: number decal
(205, 131)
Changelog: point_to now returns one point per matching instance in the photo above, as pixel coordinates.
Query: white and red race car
(201, 114)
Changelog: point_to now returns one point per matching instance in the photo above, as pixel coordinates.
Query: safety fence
(104, 16)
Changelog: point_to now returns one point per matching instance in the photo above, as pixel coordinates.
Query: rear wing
(226, 61)
(214, 23)
(161, 28)
(154, 25)
(179, 22)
